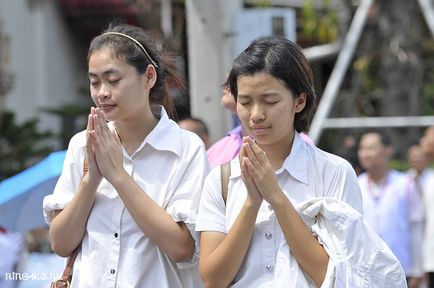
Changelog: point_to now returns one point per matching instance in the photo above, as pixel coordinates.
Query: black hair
(126, 49)
(285, 61)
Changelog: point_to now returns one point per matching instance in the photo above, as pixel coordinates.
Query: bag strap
(70, 264)
(225, 170)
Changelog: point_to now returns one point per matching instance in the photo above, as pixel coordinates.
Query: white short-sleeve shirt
(306, 173)
(170, 166)
(386, 209)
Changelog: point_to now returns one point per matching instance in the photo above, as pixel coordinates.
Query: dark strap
(70, 264)
(225, 170)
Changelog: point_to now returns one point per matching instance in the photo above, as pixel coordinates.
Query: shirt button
(116, 235)
(269, 268)
(270, 207)
(112, 271)
(268, 235)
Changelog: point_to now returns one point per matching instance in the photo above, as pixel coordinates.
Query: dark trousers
(430, 279)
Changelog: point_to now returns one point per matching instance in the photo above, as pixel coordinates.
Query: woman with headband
(132, 213)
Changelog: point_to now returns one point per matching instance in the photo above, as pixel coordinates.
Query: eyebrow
(105, 73)
(265, 95)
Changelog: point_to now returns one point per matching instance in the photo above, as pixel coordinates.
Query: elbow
(61, 251)
(211, 280)
(182, 253)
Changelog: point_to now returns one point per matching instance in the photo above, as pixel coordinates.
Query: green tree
(21, 145)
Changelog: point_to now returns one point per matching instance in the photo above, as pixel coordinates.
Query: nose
(103, 92)
(257, 113)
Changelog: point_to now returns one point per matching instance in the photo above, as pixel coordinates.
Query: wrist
(251, 204)
(118, 178)
(278, 200)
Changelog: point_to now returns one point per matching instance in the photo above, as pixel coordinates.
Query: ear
(300, 102)
(389, 152)
(150, 76)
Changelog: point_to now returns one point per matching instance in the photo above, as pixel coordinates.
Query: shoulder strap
(225, 170)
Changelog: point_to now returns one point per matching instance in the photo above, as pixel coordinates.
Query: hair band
(136, 42)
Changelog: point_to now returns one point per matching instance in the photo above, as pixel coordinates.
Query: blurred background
(373, 65)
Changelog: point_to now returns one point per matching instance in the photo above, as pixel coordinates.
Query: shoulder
(78, 140)
(328, 160)
(189, 140)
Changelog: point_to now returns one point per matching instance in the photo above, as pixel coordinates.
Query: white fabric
(388, 213)
(417, 184)
(359, 256)
(308, 172)
(12, 245)
(170, 166)
(428, 261)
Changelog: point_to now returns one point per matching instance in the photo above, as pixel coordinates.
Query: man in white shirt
(418, 178)
(385, 200)
(427, 143)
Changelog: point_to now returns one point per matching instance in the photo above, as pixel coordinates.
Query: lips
(107, 107)
(260, 130)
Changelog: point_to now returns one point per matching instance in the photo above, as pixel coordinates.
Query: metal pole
(341, 66)
(376, 122)
(428, 12)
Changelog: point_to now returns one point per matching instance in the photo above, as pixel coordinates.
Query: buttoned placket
(118, 214)
(267, 230)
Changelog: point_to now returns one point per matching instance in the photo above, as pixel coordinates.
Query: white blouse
(306, 173)
(428, 261)
(170, 166)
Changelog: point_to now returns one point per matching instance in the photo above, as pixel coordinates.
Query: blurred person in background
(417, 182)
(227, 148)
(12, 250)
(427, 144)
(385, 199)
(197, 126)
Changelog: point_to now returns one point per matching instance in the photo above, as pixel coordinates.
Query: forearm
(171, 237)
(69, 225)
(305, 248)
(220, 267)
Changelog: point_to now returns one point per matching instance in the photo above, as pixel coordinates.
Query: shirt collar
(295, 164)
(165, 135)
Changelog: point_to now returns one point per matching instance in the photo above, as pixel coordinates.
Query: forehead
(257, 83)
(371, 139)
(104, 60)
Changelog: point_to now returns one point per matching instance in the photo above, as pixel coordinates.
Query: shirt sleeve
(69, 180)
(212, 209)
(345, 187)
(183, 205)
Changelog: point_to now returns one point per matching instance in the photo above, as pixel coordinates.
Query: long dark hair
(285, 61)
(126, 49)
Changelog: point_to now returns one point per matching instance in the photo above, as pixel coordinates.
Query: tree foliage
(21, 145)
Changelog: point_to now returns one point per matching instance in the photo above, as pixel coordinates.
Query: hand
(262, 172)
(108, 149)
(253, 196)
(93, 170)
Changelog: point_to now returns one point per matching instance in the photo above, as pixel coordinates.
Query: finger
(251, 155)
(260, 154)
(248, 179)
(105, 130)
(242, 153)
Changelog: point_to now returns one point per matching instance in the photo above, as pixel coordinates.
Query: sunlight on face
(266, 108)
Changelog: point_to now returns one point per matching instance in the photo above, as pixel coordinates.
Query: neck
(133, 132)
(277, 153)
(378, 175)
